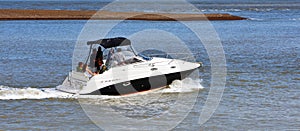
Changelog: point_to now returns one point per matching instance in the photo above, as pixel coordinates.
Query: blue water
(262, 58)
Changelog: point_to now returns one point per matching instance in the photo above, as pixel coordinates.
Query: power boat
(132, 74)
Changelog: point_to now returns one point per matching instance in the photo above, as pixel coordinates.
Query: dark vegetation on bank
(13, 14)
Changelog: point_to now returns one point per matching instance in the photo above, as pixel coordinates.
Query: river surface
(262, 60)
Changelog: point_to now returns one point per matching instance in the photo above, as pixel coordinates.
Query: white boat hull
(133, 78)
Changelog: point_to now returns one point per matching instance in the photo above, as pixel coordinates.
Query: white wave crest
(185, 85)
(294, 19)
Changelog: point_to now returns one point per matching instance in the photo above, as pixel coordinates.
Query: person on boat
(108, 59)
(119, 57)
(99, 57)
(101, 67)
(87, 71)
(79, 68)
(93, 58)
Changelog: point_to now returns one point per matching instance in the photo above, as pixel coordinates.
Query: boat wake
(11, 93)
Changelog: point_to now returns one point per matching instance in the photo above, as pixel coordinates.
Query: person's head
(94, 51)
(111, 50)
(99, 48)
(119, 50)
(80, 64)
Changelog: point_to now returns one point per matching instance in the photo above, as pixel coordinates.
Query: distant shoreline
(15, 14)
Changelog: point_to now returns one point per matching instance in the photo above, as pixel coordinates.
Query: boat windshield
(154, 53)
(119, 56)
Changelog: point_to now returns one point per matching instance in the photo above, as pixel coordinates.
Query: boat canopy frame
(110, 43)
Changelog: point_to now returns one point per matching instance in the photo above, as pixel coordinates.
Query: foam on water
(294, 19)
(10, 93)
(184, 86)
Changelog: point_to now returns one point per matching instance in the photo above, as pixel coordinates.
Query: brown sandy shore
(12, 14)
